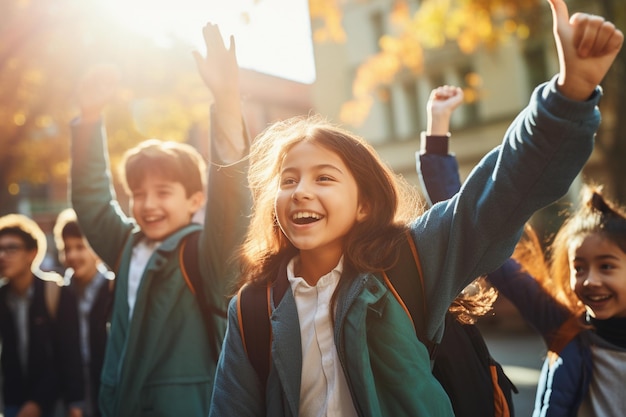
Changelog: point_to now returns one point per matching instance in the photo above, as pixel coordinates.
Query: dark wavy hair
(371, 245)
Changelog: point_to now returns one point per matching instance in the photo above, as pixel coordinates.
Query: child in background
(91, 282)
(577, 300)
(585, 369)
(41, 360)
(328, 220)
(162, 349)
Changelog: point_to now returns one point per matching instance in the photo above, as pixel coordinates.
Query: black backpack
(493, 399)
(463, 362)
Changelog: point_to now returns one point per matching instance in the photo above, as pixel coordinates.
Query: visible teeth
(306, 215)
(598, 297)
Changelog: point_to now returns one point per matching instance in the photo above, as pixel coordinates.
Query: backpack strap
(564, 334)
(190, 269)
(254, 320)
(253, 299)
(410, 292)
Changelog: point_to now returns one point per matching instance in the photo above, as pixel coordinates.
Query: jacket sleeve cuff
(434, 144)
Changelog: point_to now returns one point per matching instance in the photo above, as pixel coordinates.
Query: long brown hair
(370, 245)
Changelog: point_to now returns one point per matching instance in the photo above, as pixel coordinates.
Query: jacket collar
(171, 242)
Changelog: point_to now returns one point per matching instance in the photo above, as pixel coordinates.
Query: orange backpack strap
(564, 334)
(500, 403)
(409, 291)
(190, 270)
(254, 311)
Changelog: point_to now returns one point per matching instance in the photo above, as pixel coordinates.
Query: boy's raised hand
(587, 46)
(439, 108)
(219, 69)
(220, 72)
(96, 89)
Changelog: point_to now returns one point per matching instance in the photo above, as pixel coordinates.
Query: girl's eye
(324, 178)
(579, 269)
(287, 181)
(606, 267)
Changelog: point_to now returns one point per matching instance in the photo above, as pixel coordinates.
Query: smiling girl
(588, 272)
(328, 219)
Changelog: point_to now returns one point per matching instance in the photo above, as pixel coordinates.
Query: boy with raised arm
(162, 349)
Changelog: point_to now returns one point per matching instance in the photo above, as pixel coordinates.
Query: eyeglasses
(11, 249)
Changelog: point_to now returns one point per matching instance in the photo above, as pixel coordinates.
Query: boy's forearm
(226, 213)
(229, 136)
(91, 192)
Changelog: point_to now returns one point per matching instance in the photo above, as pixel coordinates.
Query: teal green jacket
(474, 232)
(159, 363)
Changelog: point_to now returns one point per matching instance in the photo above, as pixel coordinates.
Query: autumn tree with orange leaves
(45, 46)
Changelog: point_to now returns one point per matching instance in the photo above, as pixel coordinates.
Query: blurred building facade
(503, 77)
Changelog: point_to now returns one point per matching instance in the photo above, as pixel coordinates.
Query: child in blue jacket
(576, 301)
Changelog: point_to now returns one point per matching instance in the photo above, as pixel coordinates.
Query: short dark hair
(28, 231)
(173, 161)
(66, 225)
(29, 241)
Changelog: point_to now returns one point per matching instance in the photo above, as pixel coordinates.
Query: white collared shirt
(86, 299)
(142, 252)
(324, 390)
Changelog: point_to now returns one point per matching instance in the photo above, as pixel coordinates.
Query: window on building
(471, 83)
(412, 107)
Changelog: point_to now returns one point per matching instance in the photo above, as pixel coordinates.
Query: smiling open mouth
(597, 298)
(305, 217)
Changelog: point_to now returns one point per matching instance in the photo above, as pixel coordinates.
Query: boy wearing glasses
(40, 358)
